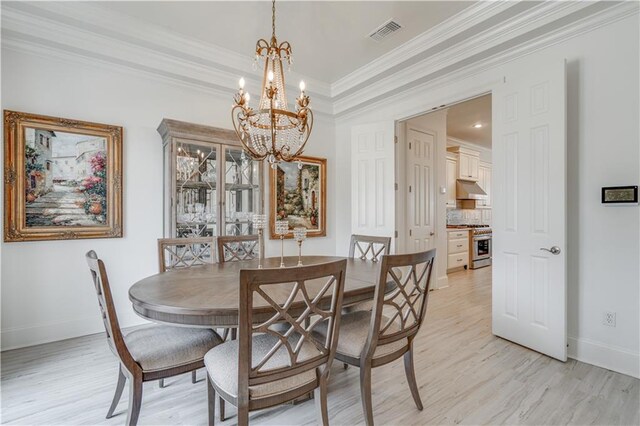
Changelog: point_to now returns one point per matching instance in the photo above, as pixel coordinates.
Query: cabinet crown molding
(170, 128)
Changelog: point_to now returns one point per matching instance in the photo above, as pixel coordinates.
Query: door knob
(553, 250)
(432, 233)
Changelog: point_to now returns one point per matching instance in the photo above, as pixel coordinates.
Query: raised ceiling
(462, 117)
(329, 38)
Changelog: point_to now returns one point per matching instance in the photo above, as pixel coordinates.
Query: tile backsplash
(466, 217)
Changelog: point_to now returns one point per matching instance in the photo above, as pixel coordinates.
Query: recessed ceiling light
(477, 125)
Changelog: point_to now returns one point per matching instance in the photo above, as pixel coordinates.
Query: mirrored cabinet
(211, 187)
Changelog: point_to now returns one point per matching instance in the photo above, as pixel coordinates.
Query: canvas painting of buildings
(298, 194)
(65, 177)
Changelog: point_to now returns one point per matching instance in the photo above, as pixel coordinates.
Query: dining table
(207, 295)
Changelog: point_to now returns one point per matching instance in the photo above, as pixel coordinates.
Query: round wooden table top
(208, 295)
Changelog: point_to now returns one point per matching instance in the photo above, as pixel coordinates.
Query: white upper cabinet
(452, 175)
(468, 162)
(484, 180)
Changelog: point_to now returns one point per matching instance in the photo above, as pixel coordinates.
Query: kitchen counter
(457, 228)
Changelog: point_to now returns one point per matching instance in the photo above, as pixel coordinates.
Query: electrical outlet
(609, 319)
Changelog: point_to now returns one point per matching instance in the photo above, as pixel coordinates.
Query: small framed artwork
(298, 194)
(620, 195)
(63, 178)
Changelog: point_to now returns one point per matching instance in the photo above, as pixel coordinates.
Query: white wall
(603, 150)
(47, 293)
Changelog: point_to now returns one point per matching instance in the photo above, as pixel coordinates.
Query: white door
(529, 210)
(420, 198)
(373, 179)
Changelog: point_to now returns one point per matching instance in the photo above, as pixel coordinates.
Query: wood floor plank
(465, 376)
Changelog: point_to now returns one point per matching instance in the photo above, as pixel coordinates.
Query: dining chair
(369, 339)
(148, 353)
(237, 247)
(369, 247)
(176, 253)
(179, 253)
(267, 365)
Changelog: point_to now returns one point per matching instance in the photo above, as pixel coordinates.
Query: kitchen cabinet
(468, 162)
(211, 187)
(457, 248)
(452, 175)
(484, 180)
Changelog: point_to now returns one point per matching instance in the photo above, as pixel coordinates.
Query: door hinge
(409, 232)
(409, 145)
(395, 139)
(396, 234)
(396, 186)
(409, 188)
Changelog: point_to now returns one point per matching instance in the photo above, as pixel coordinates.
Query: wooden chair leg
(222, 408)
(161, 383)
(211, 402)
(243, 416)
(119, 388)
(135, 399)
(194, 378)
(411, 377)
(320, 394)
(365, 393)
(234, 333)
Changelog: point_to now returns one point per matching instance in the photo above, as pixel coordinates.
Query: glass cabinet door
(196, 197)
(241, 176)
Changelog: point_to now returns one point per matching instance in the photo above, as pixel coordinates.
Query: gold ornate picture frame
(299, 195)
(62, 178)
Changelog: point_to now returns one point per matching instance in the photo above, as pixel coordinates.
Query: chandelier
(272, 131)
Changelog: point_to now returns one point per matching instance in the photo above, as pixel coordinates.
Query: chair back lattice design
(367, 247)
(107, 308)
(300, 298)
(176, 253)
(240, 247)
(403, 307)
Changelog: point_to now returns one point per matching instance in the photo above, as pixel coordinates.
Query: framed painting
(62, 177)
(298, 194)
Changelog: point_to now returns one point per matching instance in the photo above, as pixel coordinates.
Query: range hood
(469, 190)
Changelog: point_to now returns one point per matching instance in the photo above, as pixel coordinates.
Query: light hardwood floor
(465, 375)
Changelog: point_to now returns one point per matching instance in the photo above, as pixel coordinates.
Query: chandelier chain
(273, 19)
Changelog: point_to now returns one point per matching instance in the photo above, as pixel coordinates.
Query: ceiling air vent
(385, 30)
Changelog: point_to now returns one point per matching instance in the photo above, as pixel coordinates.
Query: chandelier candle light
(272, 131)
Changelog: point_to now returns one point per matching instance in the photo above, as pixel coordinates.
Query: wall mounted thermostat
(620, 195)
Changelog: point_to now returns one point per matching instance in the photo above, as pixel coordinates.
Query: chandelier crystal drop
(272, 131)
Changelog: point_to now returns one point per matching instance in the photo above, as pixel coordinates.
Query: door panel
(373, 179)
(529, 210)
(420, 213)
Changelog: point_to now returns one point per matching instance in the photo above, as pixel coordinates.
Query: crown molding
(471, 50)
(83, 29)
(585, 24)
(467, 144)
(491, 33)
(462, 21)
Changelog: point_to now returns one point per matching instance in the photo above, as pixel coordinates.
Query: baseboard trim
(606, 356)
(442, 282)
(22, 337)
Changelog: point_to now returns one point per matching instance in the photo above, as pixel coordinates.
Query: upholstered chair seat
(222, 365)
(161, 347)
(354, 328)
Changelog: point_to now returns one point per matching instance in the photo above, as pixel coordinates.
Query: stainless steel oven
(480, 248)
